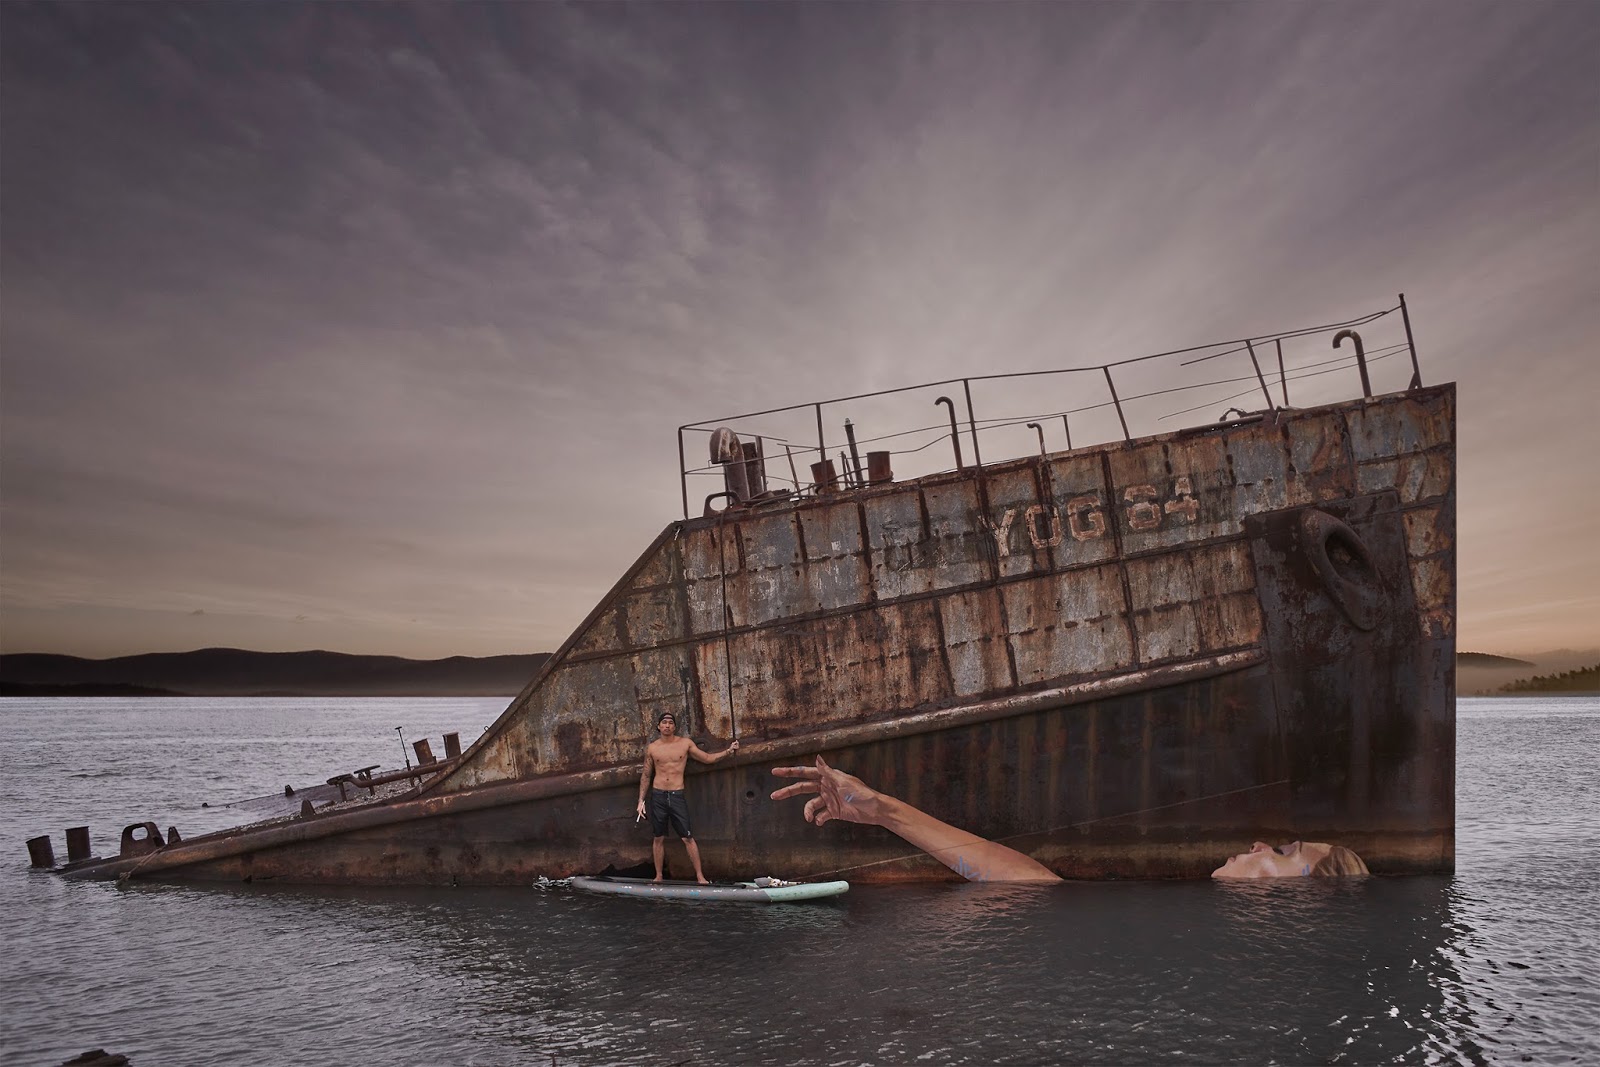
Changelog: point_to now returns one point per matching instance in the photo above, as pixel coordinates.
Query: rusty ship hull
(1127, 660)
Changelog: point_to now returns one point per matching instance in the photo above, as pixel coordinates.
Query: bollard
(452, 746)
(424, 752)
(77, 843)
(40, 852)
(878, 468)
(172, 836)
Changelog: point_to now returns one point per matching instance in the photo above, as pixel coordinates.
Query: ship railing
(1104, 402)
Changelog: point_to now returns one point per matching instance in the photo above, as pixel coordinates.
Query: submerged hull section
(1126, 661)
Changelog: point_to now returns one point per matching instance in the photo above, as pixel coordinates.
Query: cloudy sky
(369, 327)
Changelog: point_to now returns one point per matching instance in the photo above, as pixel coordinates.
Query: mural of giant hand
(845, 797)
(839, 795)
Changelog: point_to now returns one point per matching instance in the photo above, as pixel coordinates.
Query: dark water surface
(1494, 965)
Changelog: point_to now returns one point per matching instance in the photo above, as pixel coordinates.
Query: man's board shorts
(669, 806)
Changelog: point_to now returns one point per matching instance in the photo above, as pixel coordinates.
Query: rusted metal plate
(1080, 516)
(763, 556)
(1067, 624)
(1194, 602)
(835, 565)
(1258, 468)
(1320, 467)
(707, 551)
(976, 643)
(903, 555)
(656, 617)
(958, 546)
(1169, 492)
(605, 635)
(1025, 527)
(1400, 424)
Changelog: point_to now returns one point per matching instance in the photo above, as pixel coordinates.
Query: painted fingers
(816, 809)
(795, 790)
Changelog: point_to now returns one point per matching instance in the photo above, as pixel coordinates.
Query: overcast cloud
(368, 327)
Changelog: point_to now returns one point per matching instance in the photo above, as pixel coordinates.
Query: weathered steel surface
(850, 621)
(1112, 737)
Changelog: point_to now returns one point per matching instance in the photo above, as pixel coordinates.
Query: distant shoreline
(8, 689)
(232, 672)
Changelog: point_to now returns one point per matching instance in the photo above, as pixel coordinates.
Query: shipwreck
(1127, 658)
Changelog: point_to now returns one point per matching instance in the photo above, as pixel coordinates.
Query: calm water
(1494, 965)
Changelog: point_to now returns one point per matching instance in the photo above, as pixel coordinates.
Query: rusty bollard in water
(40, 852)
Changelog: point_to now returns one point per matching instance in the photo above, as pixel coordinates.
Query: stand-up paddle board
(760, 891)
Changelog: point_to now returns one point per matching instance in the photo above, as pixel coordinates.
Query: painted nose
(1260, 846)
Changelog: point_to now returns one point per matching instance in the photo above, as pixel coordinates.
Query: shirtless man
(662, 784)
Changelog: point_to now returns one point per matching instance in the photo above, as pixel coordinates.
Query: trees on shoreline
(1581, 680)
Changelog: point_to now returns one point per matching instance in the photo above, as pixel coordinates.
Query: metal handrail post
(1126, 436)
(1283, 379)
(683, 473)
(1259, 376)
(972, 423)
(1416, 369)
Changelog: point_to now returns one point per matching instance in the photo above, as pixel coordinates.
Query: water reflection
(1336, 971)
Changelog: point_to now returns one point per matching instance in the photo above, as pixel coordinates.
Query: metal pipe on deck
(823, 476)
(955, 432)
(855, 454)
(1361, 358)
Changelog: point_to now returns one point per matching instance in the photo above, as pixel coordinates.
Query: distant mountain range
(1484, 659)
(236, 672)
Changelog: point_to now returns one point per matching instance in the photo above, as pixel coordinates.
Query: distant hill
(236, 672)
(1484, 659)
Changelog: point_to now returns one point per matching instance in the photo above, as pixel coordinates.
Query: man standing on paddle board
(662, 785)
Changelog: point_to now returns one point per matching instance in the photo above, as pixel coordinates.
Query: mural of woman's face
(1294, 860)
